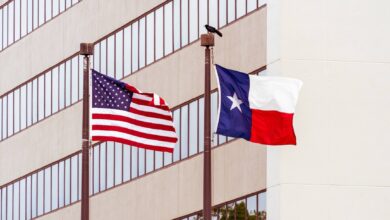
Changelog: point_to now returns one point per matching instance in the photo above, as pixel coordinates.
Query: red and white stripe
(148, 123)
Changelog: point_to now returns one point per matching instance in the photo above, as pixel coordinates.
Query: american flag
(123, 114)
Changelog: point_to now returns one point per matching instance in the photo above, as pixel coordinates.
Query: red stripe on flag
(132, 121)
(150, 114)
(142, 102)
(162, 101)
(132, 143)
(131, 88)
(135, 133)
(272, 128)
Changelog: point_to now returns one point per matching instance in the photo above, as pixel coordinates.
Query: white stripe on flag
(132, 116)
(149, 109)
(134, 127)
(156, 99)
(273, 93)
(142, 97)
(132, 138)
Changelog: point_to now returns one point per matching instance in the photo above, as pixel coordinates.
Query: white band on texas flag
(257, 108)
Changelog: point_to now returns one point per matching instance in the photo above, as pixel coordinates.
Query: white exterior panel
(341, 52)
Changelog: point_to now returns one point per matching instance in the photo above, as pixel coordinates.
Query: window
(246, 207)
(119, 55)
(10, 113)
(16, 121)
(41, 97)
(74, 63)
(118, 153)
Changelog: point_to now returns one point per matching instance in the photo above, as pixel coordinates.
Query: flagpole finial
(207, 40)
(86, 49)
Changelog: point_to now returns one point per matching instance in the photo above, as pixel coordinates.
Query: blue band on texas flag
(257, 108)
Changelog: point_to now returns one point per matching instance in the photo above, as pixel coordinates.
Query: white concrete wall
(339, 170)
(67, 213)
(238, 169)
(177, 78)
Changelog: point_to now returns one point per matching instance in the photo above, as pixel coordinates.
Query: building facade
(339, 50)
(155, 47)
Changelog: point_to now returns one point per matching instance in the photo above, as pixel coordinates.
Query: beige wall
(68, 213)
(340, 50)
(177, 78)
(238, 169)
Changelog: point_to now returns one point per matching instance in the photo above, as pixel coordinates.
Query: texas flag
(257, 108)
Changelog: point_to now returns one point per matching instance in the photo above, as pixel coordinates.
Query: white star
(235, 102)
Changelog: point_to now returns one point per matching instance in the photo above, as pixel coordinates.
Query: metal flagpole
(207, 40)
(86, 49)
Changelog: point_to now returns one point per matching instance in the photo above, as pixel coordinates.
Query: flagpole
(207, 41)
(86, 49)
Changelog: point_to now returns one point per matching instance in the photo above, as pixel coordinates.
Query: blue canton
(235, 116)
(109, 93)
